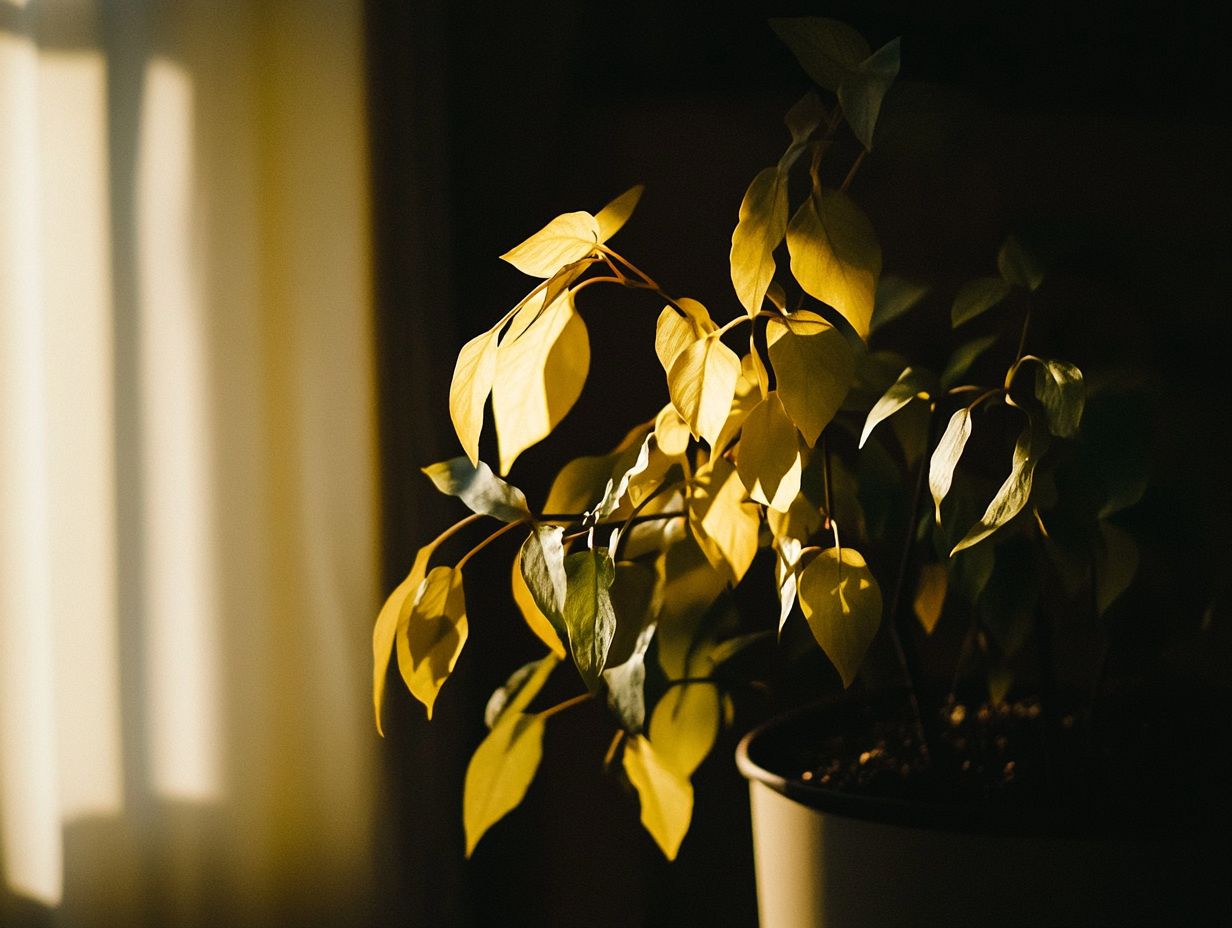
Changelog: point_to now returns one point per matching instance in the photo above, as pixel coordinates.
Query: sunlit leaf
(675, 332)
(618, 483)
(432, 635)
(768, 460)
(910, 385)
(625, 685)
(826, 48)
(580, 484)
(684, 725)
(976, 296)
(748, 395)
(835, 256)
(724, 523)
(522, 686)
(702, 383)
(1116, 563)
(813, 369)
(930, 595)
(762, 225)
(895, 296)
(671, 432)
(539, 376)
(589, 617)
(542, 562)
(863, 89)
(612, 217)
(393, 613)
(567, 238)
(842, 604)
(1014, 492)
(785, 576)
(539, 623)
(945, 458)
(1018, 265)
(963, 357)
(481, 490)
(500, 772)
(468, 391)
(1059, 386)
(666, 797)
(801, 521)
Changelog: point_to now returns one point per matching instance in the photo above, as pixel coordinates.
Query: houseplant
(614, 580)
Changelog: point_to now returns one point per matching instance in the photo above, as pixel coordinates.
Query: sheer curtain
(188, 528)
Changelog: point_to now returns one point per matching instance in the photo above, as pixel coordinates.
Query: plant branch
(487, 541)
(567, 704)
(851, 175)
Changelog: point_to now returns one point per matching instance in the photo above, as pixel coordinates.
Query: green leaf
(827, 49)
(500, 772)
(1018, 266)
(688, 586)
(432, 635)
(567, 238)
(813, 367)
(481, 490)
(762, 225)
(910, 385)
(1059, 386)
(625, 685)
(894, 297)
(802, 120)
(767, 457)
(1116, 563)
(977, 296)
(538, 622)
(468, 391)
(1007, 605)
(612, 217)
(702, 384)
(540, 371)
(723, 522)
(1014, 492)
(835, 256)
(522, 686)
(930, 596)
(666, 797)
(963, 357)
(863, 89)
(969, 572)
(675, 332)
(842, 605)
(394, 613)
(945, 458)
(542, 561)
(589, 617)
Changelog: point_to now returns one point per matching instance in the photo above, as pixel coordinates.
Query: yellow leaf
(567, 238)
(801, 521)
(767, 458)
(842, 604)
(763, 221)
(684, 725)
(702, 384)
(724, 523)
(688, 585)
(930, 595)
(748, 395)
(397, 607)
(835, 256)
(813, 369)
(671, 432)
(533, 615)
(612, 217)
(540, 371)
(666, 797)
(432, 635)
(468, 393)
(674, 332)
(500, 772)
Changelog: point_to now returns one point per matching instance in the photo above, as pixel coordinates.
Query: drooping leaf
(945, 458)
(481, 490)
(684, 726)
(625, 685)
(468, 391)
(567, 238)
(864, 87)
(748, 395)
(542, 563)
(1014, 492)
(431, 637)
(768, 460)
(675, 332)
(1059, 387)
(835, 256)
(813, 369)
(500, 772)
(522, 686)
(827, 49)
(612, 217)
(589, 617)
(540, 371)
(538, 623)
(393, 613)
(895, 296)
(910, 385)
(930, 595)
(666, 797)
(785, 575)
(723, 522)
(963, 357)
(702, 383)
(969, 571)
(842, 604)
(977, 296)
(762, 225)
(1116, 563)
(1018, 266)
(671, 432)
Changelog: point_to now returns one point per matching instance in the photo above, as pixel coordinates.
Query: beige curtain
(188, 532)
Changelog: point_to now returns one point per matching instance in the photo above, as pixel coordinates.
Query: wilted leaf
(724, 523)
(768, 459)
(1014, 492)
(842, 604)
(481, 490)
(589, 617)
(835, 256)
(945, 457)
(930, 595)
(863, 89)
(763, 222)
(1018, 265)
(674, 332)
(895, 296)
(539, 376)
(431, 637)
(963, 357)
(539, 623)
(468, 391)
(1059, 386)
(976, 296)
(625, 685)
(702, 383)
(1116, 563)
(827, 49)
(813, 370)
(393, 613)
(522, 686)
(909, 386)
(500, 772)
(666, 797)
(567, 238)
(612, 217)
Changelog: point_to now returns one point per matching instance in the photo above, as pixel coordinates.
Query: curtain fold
(188, 509)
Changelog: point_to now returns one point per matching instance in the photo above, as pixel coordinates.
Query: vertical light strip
(181, 614)
(29, 806)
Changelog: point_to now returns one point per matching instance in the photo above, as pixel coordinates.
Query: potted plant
(770, 469)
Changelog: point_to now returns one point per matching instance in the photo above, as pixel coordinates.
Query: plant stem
(562, 706)
(487, 541)
(825, 476)
(611, 748)
(851, 175)
(623, 281)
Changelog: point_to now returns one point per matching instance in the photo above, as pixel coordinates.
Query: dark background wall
(1107, 120)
